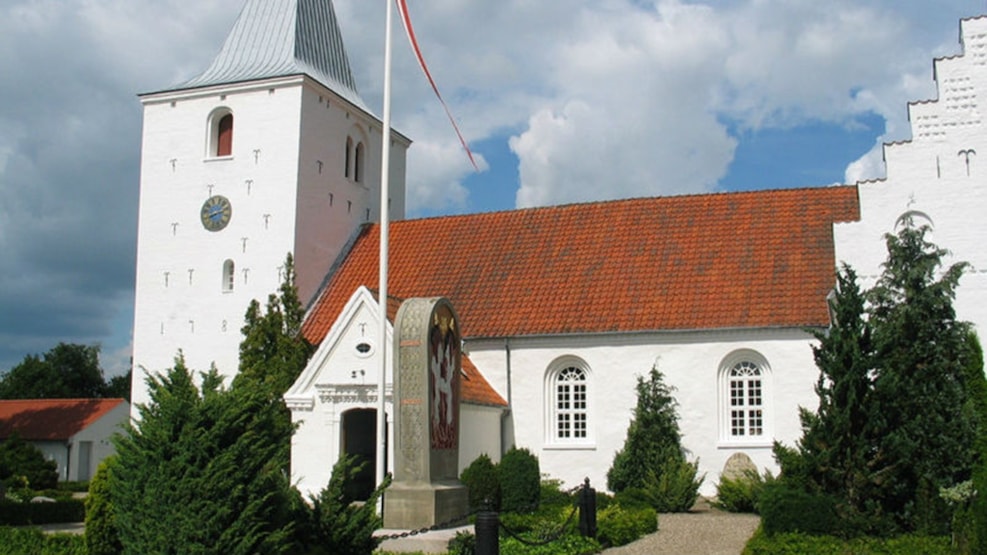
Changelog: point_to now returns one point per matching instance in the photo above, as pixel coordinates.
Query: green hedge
(619, 526)
(785, 508)
(801, 544)
(21, 514)
(19, 541)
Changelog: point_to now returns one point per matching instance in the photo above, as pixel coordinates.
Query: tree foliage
(21, 461)
(340, 525)
(652, 436)
(273, 352)
(895, 421)
(520, 481)
(67, 371)
(202, 471)
(101, 531)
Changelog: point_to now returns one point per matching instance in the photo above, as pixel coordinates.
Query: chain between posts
(486, 508)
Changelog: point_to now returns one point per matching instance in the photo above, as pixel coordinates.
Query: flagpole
(385, 178)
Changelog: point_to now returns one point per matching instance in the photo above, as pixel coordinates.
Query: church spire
(274, 38)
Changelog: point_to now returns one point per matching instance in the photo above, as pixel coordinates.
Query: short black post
(487, 525)
(587, 511)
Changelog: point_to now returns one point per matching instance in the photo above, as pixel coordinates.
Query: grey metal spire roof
(274, 38)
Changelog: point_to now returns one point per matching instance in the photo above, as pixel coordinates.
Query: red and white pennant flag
(410, 31)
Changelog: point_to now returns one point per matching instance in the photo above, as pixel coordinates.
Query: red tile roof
(728, 260)
(51, 419)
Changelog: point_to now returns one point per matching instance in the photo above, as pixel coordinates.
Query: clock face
(216, 213)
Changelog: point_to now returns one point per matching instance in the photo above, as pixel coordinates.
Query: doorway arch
(359, 440)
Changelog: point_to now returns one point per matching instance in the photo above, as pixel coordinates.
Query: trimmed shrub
(784, 508)
(674, 488)
(23, 514)
(520, 481)
(20, 460)
(741, 494)
(18, 541)
(101, 531)
(799, 544)
(634, 498)
(552, 494)
(484, 486)
(619, 526)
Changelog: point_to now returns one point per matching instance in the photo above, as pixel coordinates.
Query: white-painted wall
(288, 155)
(340, 378)
(691, 362)
(98, 434)
(929, 175)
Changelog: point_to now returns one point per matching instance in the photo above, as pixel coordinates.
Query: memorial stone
(426, 489)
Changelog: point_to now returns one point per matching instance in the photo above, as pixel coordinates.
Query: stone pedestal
(409, 506)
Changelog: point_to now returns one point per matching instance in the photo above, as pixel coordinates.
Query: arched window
(229, 275)
(224, 144)
(348, 165)
(744, 400)
(220, 143)
(568, 402)
(358, 163)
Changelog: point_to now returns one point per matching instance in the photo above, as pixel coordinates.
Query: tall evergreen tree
(201, 471)
(834, 455)
(920, 388)
(895, 421)
(273, 352)
(653, 442)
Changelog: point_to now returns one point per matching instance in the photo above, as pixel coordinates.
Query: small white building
(75, 433)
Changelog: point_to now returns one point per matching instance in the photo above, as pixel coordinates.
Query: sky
(562, 101)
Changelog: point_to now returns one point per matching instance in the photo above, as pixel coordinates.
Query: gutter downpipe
(506, 413)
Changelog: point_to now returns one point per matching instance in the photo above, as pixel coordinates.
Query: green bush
(480, 477)
(634, 498)
(785, 508)
(552, 494)
(21, 460)
(799, 544)
(73, 487)
(520, 481)
(20, 541)
(101, 531)
(741, 494)
(341, 524)
(674, 488)
(619, 526)
(22, 514)
(571, 544)
(463, 544)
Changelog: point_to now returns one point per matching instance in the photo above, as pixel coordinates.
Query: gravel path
(703, 531)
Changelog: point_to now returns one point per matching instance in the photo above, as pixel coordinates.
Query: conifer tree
(273, 352)
(836, 457)
(919, 387)
(652, 457)
(202, 470)
(896, 419)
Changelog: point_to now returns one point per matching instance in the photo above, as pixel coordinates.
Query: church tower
(270, 151)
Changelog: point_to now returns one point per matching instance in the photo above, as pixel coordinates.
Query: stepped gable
(717, 261)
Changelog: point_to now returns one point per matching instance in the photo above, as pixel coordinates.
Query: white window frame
(745, 401)
(572, 401)
(229, 275)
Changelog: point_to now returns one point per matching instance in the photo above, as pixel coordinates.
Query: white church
(272, 150)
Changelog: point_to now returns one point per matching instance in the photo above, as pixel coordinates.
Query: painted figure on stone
(444, 365)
